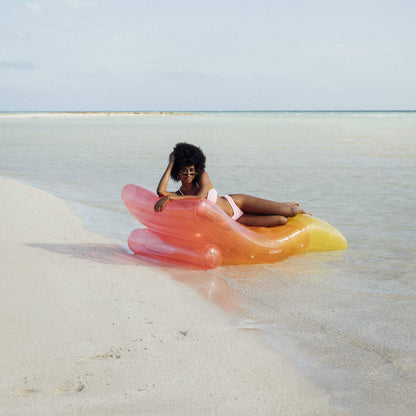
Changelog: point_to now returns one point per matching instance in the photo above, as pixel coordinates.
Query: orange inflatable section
(197, 233)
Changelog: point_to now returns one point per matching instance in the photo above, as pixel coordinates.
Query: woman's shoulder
(204, 179)
(203, 176)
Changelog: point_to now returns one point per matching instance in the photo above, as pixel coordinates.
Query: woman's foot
(302, 211)
(297, 208)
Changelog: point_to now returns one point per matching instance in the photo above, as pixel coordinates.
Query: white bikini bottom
(237, 213)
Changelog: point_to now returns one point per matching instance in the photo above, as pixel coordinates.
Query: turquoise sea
(347, 319)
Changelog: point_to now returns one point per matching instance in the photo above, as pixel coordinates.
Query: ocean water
(347, 319)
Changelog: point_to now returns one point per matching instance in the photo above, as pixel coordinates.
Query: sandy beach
(89, 329)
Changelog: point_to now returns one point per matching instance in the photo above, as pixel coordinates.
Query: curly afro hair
(187, 155)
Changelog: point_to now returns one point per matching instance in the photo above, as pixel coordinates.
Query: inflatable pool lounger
(197, 233)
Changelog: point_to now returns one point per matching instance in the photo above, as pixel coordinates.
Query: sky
(217, 55)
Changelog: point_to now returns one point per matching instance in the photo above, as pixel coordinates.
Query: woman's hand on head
(172, 158)
(160, 204)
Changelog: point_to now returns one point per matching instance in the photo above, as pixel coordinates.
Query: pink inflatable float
(197, 233)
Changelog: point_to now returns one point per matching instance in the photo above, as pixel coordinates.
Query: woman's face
(187, 174)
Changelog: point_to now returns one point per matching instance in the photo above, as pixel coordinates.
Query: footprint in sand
(28, 392)
(112, 354)
(70, 388)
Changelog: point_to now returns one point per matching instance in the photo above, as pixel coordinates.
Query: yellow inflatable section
(197, 233)
(322, 236)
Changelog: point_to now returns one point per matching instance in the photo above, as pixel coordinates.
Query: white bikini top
(212, 195)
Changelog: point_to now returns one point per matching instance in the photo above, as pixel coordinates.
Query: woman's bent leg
(262, 220)
(252, 205)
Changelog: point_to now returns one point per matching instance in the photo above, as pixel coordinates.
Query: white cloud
(349, 50)
(359, 50)
(19, 65)
(185, 75)
(37, 7)
(34, 6)
(20, 36)
(329, 49)
(80, 3)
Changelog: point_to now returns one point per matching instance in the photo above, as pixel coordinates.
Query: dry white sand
(88, 330)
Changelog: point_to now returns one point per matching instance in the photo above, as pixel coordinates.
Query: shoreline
(72, 114)
(89, 328)
(33, 114)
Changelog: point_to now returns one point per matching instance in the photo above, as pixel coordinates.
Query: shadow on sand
(209, 285)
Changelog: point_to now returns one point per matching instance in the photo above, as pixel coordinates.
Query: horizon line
(202, 111)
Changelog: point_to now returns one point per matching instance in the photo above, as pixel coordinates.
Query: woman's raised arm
(163, 183)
